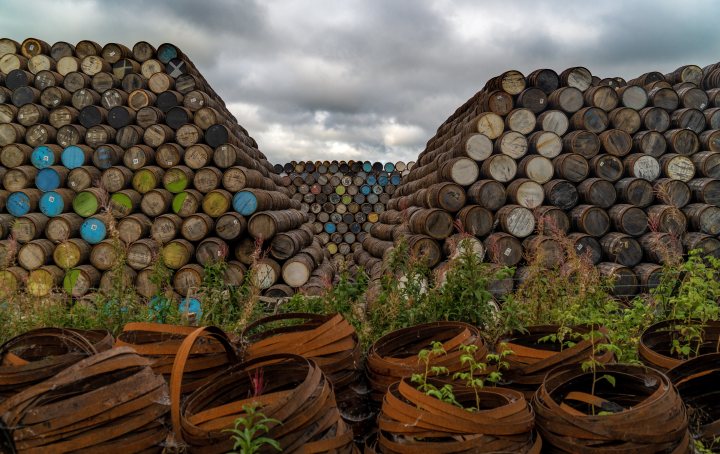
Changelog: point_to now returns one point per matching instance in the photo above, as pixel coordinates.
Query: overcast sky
(373, 79)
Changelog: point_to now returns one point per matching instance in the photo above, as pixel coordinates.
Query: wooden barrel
(546, 80)
(672, 192)
(602, 97)
(596, 191)
(197, 226)
(642, 166)
(516, 220)
(211, 250)
(238, 178)
(512, 82)
(29, 227)
(651, 143)
(116, 178)
(571, 166)
(553, 121)
(632, 96)
(526, 193)
(63, 227)
(105, 254)
(35, 253)
(677, 167)
(566, 99)
(628, 219)
(701, 242)
(156, 202)
(590, 219)
(133, 227)
(649, 275)
(187, 202)
(691, 119)
(165, 227)
(621, 248)
(81, 280)
(551, 221)
(186, 135)
(147, 179)
(624, 283)
(533, 99)
(18, 178)
(71, 253)
(512, 143)
(89, 201)
(207, 179)
(707, 163)
(664, 98)
(425, 249)
(607, 167)
(111, 280)
(22, 202)
(188, 279)
(666, 218)
(537, 168)
(42, 281)
(489, 194)
(462, 171)
(705, 190)
(703, 217)
(177, 179)
(475, 220)
(561, 193)
(682, 141)
(124, 202)
(616, 142)
(625, 119)
(586, 247)
(433, 222)
(487, 123)
(503, 248)
(177, 253)
(12, 279)
(545, 251)
(545, 143)
(660, 247)
(710, 140)
(501, 168)
(635, 191)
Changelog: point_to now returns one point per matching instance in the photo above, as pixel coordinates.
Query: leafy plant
(248, 431)
(445, 392)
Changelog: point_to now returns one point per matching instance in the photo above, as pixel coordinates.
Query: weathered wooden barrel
(42, 281)
(667, 219)
(475, 220)
(503, 248)
(29, 227)
(597, 191)
(81, 280)
(624, 283)
(36, 253)
(133, 227)
(660, 247)
(71, 253)
(516, 220)
(63, 227)
(703, 217)
(621, 248)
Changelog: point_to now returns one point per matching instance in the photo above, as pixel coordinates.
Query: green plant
(445, 392)
(248, 431)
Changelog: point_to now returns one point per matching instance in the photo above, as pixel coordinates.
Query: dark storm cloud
(375, 78)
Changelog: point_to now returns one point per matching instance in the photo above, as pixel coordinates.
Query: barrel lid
(93, 230)
(51, 204)
(85, 204)
(191, 306)
(72, 157)
(245, 203)
(42, 157)
(18, 204)
(47, 179)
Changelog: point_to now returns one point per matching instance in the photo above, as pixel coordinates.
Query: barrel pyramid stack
(343, 199)
(628, 170)
(101, 142)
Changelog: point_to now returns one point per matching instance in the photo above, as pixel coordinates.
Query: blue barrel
(365, 189)
(371, 180)
(367, 166)
(105, 156)
(73, 157)
(245, 203)
(159, 308)
(93, 230)
(382, 180)
(48, 179)
(330, 227)
(395, 180)
(389, 167)
(52, 204)
(18, 204)
(191, 306)
(167, 52)
(42, 157)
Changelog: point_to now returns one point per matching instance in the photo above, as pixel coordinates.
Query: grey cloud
(377, 77)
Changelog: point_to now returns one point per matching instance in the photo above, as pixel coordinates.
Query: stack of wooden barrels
(103, 146)
(627, 171)
(342, 199)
